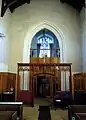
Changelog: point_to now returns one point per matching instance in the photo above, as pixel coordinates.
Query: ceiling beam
(12, 5)
(6, 4)
(77, 4)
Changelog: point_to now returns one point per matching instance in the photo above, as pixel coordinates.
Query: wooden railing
(34, 53)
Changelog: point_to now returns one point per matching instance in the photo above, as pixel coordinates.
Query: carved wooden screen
(61, 71)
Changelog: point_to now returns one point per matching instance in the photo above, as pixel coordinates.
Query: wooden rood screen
(28, 72)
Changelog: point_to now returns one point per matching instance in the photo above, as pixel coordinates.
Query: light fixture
(1, 35)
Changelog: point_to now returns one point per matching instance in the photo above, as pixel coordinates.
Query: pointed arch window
(45, 44)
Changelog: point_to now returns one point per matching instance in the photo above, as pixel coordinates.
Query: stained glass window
(45, 42)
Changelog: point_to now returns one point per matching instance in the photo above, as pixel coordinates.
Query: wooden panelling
(7, 81)
(0, 84)
(79, 82)
(45, 60)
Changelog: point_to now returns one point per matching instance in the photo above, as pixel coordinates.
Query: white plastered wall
(83, 28)
(5, 41)
(61, 18)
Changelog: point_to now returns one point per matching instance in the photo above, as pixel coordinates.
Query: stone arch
(30, 34)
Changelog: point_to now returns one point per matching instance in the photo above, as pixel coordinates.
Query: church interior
(40, 75)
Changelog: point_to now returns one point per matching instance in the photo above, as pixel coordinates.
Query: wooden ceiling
(13, 4)
(77, 4)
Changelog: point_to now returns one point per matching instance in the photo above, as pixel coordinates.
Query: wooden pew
(79, 80)
(77, 111)
(12, 106)
(8, 115)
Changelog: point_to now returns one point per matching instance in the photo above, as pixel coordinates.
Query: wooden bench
(77, 111)
(81, 116)
(12, 106)
(8, 115)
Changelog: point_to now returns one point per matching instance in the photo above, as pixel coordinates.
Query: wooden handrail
(46, 64)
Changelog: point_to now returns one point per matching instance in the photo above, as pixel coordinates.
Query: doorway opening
(43, 86)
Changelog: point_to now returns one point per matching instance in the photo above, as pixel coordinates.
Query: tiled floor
(32, 113)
